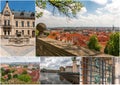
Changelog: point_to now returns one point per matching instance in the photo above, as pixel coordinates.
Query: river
(52, 78)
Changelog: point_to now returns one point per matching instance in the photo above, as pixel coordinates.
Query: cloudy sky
(55, 62)
(19, 59)
(94, 13)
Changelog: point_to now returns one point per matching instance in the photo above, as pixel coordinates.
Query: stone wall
(50, 47)
(46, 49)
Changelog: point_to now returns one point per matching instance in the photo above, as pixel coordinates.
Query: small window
(22, 13)
(28, 32)
(5, 22)
(33, 24)
(8, 22)
(32, 14)
(22, 23)
(22, 32)
(5, 32)
(28, 23)
(16, 23)
(16, 31)
(8, 32)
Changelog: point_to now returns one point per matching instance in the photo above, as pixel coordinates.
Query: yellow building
(13, 22)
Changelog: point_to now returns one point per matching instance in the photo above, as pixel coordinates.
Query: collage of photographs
(59, 42)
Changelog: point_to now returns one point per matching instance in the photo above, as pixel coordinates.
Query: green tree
(112, 46)
(9, 76)
(2, 71)
(24, 72)
(5, 72)
(68, 8)
(13, 70)
(25, 78)
(15, 76)
(93, 43)
(25, 66)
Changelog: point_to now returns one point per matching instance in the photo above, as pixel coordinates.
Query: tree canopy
(112, 46)
(25, 78)
(68, 8)
(93, 43)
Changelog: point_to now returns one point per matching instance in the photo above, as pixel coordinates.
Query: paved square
(8, 49)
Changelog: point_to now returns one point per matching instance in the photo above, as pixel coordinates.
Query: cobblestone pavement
(7, 49)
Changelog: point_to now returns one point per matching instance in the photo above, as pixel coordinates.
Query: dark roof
(24, 15)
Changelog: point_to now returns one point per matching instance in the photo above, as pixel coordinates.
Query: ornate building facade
(13, 22)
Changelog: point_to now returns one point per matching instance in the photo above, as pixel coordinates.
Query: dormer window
(32, 14)
(22, 13)
(7, 13)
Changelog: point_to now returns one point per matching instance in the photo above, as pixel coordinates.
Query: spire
(7, 3)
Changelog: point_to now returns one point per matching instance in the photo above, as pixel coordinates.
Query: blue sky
(27, 5)
(95, 13)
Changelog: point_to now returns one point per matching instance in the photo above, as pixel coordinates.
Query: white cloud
(113, 7)
(101, 2)
(55, 62)
(105, 16)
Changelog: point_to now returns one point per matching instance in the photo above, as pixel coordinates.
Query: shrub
(24, 72)
(24, 77)
(93, 43)
(15, 76)
(9, 76)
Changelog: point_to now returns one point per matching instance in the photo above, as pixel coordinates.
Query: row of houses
(79, 39)
(32, 70)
